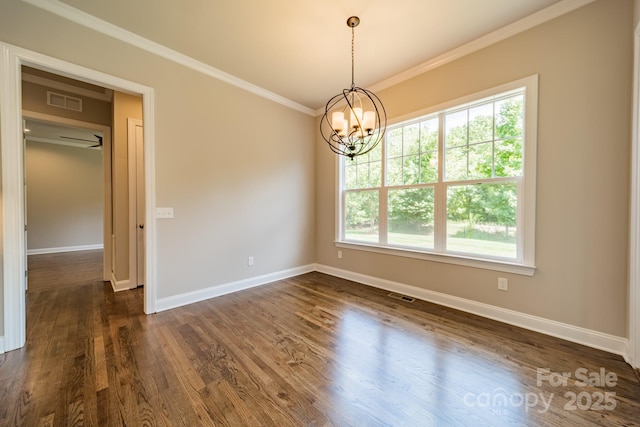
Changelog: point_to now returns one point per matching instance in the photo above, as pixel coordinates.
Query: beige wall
(64, 196)
(584, 62)
(237, 169)
(238, 172)
(125, 106)
(636, 13)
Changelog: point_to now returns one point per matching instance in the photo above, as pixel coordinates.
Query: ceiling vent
(64, 101)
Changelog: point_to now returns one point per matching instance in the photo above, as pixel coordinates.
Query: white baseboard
(120, 285)
(64, 249)
(1, 344)
(588, 337)
(227, 288)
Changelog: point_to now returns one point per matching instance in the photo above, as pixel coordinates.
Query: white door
(24, 178)
(140, 206)
(135, 143)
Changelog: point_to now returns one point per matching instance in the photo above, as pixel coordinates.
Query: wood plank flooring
(53, 271)
(313, 350)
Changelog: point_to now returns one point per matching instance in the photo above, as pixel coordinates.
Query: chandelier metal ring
(358, 118)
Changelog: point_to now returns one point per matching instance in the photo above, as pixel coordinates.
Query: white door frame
(634, 226)
(13, 243)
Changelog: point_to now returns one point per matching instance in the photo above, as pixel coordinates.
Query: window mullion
(467, 146)
(440, 210)
(382, 196)
(520, 186)
(383, 217)
(341, 217)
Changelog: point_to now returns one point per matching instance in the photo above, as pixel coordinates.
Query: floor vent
(402, 297)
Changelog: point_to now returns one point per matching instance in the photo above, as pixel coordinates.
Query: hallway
(66, 269)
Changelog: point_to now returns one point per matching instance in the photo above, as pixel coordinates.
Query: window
(456, 184)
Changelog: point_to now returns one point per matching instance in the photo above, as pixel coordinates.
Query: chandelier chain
(353, 53)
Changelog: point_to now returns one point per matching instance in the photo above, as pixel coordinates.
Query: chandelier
(355, 120)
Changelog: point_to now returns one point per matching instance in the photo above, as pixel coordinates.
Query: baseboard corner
(119, 285)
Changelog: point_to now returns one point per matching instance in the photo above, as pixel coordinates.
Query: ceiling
(301, 49)
(39, 131)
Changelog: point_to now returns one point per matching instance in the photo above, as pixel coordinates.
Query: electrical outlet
(340, 254)
(250, 261)
(503, 284)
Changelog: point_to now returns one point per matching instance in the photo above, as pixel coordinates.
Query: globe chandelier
(354, 121)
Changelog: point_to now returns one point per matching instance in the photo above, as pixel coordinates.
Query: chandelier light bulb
(337, 121)
(369, 121)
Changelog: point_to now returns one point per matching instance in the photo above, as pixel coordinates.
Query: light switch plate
(164, 212)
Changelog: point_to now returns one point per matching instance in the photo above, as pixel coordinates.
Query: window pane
(411, 173)
(481, 219)
(376, 174)
(481, 123)
(411, 217)
(363, 175)
(363, 158)
(411, 139)
(429, 135)
(363, 171)
(429, 167)
(350, 175)
(376, 153)
(361, 216)
(508, 157)
(456, 164)
(394, 142)
(455, 132)
(509, 117)
(480, 160)
(394, 171)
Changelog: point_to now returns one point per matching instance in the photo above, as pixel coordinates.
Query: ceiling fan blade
(77, 139)
(99, 144)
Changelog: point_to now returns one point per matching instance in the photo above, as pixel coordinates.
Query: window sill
(467, 261)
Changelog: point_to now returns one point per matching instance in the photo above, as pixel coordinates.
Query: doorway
(11, 61)
(67, 186)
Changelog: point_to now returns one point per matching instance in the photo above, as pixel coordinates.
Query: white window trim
(526, 207)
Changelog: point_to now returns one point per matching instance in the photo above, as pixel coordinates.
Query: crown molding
(82, 18)
(561, 8)
(526, 23)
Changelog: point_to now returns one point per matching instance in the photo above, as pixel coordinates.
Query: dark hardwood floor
(54, 271)
(308, 351)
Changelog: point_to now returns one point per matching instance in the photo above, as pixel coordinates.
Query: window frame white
(525, 264)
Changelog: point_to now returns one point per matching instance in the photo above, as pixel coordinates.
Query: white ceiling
(301, 49)
(39, 131)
